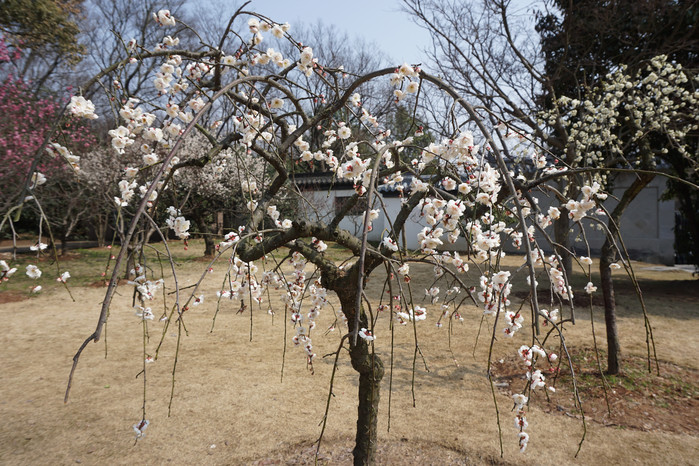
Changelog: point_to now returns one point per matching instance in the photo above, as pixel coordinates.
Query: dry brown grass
(231, 406)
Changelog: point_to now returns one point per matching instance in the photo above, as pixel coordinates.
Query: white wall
(646, 226)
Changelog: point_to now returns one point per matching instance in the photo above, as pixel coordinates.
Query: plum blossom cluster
(658, 97)
(415, 313)
(164, 18)
(551, 316)
(494, 292)
(242, 280)
(536, 380)
(444, 213)
(145, 288)
(178, 224)
(400, 76)
(475, 182)
(57, 150)
(297, 289)
(82, 108)
(521, 423)
(257, 27)
(591, 194)
(229, 239)
(219, 179)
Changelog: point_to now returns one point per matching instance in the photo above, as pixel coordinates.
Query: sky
(379, 21)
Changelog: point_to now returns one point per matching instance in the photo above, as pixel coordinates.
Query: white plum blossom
(33, 271)
(366, 335)
(412, 87)
(39, 246)
(37, 179)
(178, 224)
(164, 18)
(523, 441)
(343, 131)
(140, 428)
(433, 294)
(278, 31)
(319, 245)
(390, 244)
(198, 300)
(82, 108)
(417, 313)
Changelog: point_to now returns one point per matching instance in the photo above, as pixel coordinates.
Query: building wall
(646, 226)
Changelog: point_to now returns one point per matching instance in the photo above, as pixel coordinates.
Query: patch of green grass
(635, 378)
(87, 266)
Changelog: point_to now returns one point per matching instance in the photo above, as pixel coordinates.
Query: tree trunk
(608, 256)
(204, 230)
(371, 371)
(102, 222)
(613, 349)
(131, 250)
(686, 199)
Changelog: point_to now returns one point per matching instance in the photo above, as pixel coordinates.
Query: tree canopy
(44, 24)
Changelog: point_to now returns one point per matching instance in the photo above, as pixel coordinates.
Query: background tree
(48, 33)
(578, 123)
(493, 61)
(583, 42)
(101, 170)
(27, 120)
(205, 192)
(107, 29)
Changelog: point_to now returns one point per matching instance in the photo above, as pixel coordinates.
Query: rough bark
(371, 371)
(64, 244)
(688, 204)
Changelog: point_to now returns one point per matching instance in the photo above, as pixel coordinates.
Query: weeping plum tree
(254, 102)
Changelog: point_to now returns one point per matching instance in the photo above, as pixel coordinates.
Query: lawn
(243, 401)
